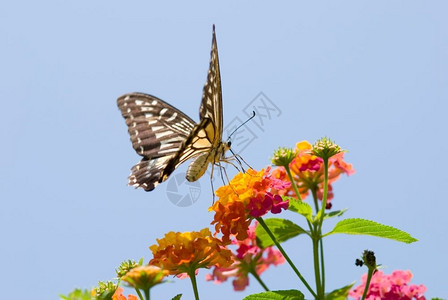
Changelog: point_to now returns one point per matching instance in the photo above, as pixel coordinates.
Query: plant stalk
(280, 248)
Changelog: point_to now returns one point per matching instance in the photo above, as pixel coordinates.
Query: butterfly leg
(211, 183)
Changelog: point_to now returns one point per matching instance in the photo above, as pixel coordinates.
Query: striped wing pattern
(157, 131)
(166, 137)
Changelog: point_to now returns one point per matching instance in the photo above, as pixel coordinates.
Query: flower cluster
(247, 196)
(248, 259)
(144, 277)
(308, 172)
(181, 253)
(104, 290)
(118, 295)
(389, 287)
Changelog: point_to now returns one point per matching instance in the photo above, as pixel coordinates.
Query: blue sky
(371, 75)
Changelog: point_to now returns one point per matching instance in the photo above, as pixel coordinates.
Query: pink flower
(390, 287)
(262, 204)
(249, 258)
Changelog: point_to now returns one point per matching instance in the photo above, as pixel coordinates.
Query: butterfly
(166, 137)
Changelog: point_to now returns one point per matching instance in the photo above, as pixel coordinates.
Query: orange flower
(144, 277)
(118, 295)
(187, 252)
(246, 196)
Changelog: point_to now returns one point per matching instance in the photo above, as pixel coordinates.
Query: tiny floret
(325, 148)
(283, 157)
(104, 290)
(125, 267)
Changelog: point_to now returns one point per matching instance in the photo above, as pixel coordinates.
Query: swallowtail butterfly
(166, 137)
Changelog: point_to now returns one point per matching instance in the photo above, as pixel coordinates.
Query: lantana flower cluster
(180, 253)
(308, 172)
(247, 196)
(390, 287)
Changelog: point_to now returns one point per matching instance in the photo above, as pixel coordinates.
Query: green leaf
(77, 294)
(336, 213)
(367, 227)
(282, 229)
(177, 297)
(339, 294)
(300, 207)
(277, 295)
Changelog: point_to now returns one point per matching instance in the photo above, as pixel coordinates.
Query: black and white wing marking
(157, 131)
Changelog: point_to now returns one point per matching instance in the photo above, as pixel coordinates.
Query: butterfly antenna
(253, 116)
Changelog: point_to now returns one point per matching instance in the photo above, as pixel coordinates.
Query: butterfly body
(166, 137)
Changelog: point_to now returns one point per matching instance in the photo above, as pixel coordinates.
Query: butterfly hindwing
(148, 172)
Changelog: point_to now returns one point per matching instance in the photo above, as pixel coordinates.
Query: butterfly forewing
(156, 128)
(211, 105)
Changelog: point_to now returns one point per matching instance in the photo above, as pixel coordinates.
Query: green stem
(324, 200)
(317, 237)
(147, 294)
(321, 245)
(139, 294)
(293, 183)
(315, 200)
(192, 276)
(366, 288)
(316, 265)
(322, 265)
(254, 273)
(271, 235)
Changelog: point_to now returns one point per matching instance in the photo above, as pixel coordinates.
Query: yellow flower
(188, 251)
(240, 188)
(144, 277)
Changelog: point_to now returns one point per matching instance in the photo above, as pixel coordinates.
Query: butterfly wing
(210, 114)
(158, 131)
(211, 105)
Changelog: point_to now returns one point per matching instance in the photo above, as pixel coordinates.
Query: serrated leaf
(177, 297)
(282, 229)
(336, 213)
(339, 294)
(300, 207)
(277, 295)
(367, 227)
